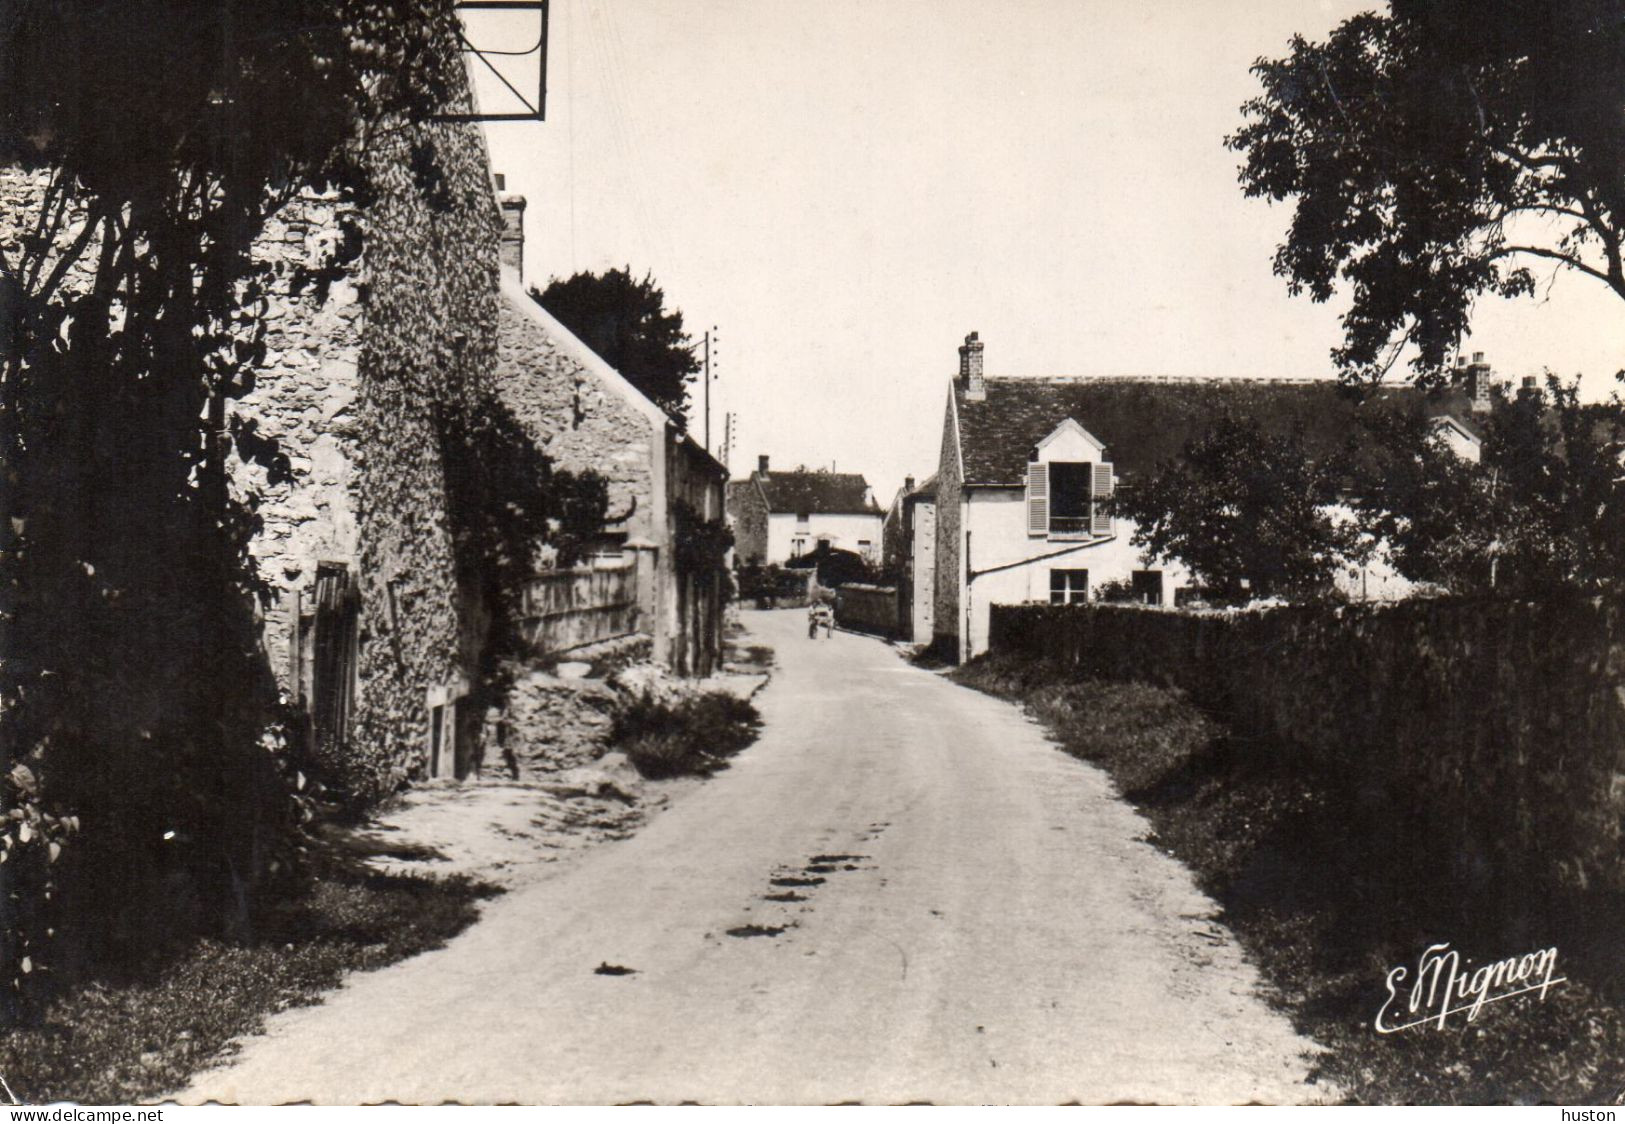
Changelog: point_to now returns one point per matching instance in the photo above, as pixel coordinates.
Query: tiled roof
(927, 490)
(817, 493)
(1144, 422)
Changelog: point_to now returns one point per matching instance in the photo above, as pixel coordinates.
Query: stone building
(350, 449)
(377, 388)
(407, 392)
(663, 485)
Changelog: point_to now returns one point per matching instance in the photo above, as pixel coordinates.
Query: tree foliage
(1245, 510)
(1543, 508)
(835, 567)
(158, 136)
(1438, 152)
(625, 322)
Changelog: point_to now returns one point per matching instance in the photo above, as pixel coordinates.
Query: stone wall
(698, 548)
(867, 608)
(946, 615)
(579, 422)
(305, 401)
(376, 388)
(426, 367)
(551, 724)
(1482, 740)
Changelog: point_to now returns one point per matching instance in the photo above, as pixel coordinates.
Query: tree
(835, 567)
(157, 138)
(1246, 511)
(1542, 509)
(1438, 152)
(625, 322)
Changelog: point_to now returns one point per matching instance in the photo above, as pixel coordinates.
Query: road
(968, 916)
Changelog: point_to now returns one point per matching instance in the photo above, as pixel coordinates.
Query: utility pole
(708, 378)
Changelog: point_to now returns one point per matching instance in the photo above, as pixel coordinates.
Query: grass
(1321, 914)
(693, 735)
(115, 1041)
(740, 656)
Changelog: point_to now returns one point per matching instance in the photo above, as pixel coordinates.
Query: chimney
(1531, 387)
(908, 484)
(512, 253)
(970, 369)
(1478, 383)
(761, 464)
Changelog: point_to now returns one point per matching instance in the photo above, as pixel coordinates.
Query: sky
(845, 189)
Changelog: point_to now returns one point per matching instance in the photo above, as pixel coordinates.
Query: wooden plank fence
(572, 608)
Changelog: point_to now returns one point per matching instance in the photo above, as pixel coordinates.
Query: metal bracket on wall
(533, 109)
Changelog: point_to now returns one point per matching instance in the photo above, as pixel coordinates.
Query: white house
(1027, 464)
(778, 516)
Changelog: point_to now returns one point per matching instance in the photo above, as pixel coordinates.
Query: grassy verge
(691, 735)
(1321, 917)
(738, 654)
(128, 1041)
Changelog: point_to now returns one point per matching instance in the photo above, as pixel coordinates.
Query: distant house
(585, 416)
(1028, 464)
(778, 516)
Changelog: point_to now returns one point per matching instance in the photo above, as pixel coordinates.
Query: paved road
(989, 929)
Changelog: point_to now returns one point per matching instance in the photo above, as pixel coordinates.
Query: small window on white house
(802, 519)
(1068, 587)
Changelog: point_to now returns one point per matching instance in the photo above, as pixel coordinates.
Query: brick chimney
(513, 229)
(970, 369)
(761, 464)
(908, 484)
(1478, 383)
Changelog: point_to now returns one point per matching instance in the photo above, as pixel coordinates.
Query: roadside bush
(1115, 591)
(767, 586)
(691, 735)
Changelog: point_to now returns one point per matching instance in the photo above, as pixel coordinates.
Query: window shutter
(1102, 491)
(1037, 499)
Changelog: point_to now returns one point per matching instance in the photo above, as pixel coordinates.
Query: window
(1147, 586)
(802, 519)
(1068, 587)
(1070, 497)
(437, 741)
(1064, 499)
(797, 545)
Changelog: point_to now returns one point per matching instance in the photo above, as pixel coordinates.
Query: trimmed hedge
(1478, 743)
